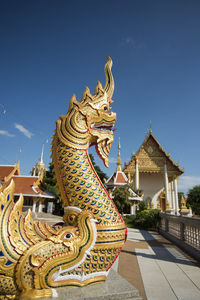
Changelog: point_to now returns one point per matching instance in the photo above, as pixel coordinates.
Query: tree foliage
(142, 205)
(49, 181)
(194, 199)
(100, 173)
(121, 199)
(147, 219)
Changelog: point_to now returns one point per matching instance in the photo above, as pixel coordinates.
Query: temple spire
(41, 157)
(150, 130)
(119, 166)
(39, 167)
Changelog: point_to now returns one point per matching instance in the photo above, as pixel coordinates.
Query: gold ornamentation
(158, 204)
(183, 206)
(151, 159)
(167, 205)
(36, 257)
(150, 150)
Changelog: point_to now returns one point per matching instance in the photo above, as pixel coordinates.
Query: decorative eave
(39, 180)
(16, 169)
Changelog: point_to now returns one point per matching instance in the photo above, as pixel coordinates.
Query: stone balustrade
(184, 231)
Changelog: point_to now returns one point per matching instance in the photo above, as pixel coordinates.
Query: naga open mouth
(103, 126)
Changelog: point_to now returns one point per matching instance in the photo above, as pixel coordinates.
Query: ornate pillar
(136, 175)
(166, 186)
(172, 205)
(176, 197)
(133, 209)
(172, 198)
(34, 206)
(40, 206)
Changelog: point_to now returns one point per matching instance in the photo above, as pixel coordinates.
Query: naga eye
(105, 108)
(68, 235)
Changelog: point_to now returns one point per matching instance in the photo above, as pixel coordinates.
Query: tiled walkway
(157, 268)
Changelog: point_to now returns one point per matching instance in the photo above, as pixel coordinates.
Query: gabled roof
(151, 157)
(117, 178)
(121, 177)
(26, 185)
(7, 171)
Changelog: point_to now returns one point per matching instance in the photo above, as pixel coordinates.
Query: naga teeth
(103, 126)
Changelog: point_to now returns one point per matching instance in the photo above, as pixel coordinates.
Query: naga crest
(35, 257)
(90, 121)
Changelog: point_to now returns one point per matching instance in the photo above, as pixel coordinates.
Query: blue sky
(51, 49)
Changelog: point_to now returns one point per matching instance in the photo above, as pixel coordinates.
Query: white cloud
(112, 160)
(129, 40)
(23, 130)
(187, 182)
(5, 132)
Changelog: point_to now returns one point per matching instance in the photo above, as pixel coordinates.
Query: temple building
(119, 179)
(153, 172)
(35, 196)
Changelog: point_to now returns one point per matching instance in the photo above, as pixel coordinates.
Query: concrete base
(114, 288)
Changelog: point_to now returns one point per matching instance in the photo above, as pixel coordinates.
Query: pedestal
(114, 288)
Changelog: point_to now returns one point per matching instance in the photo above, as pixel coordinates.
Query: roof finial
(41, 157)
(150, 130)
(119, 167)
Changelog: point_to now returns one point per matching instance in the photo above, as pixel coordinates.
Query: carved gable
(151, 157)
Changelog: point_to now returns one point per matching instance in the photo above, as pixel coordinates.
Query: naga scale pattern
(35, 258)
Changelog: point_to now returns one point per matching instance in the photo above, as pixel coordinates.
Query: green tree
(49, 181)
(121, 198)
(100, 173)
(194, 199)
(142, 205)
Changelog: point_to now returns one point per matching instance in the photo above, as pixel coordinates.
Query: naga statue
(36, 258)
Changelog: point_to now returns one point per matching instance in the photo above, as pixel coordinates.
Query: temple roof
(117, 178)
(26, 185)
(7, 171)
(151, 158)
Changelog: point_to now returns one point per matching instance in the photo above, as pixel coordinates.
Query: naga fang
(36, 258)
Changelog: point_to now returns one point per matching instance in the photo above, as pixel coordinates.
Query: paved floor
(157, 268)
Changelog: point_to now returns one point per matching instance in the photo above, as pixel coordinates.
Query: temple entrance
(162, 201)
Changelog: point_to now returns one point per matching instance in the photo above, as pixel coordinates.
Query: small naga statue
(37, 258)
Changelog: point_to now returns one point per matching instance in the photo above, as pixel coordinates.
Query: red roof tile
(120, 178)
(5, 171)
(24, 184)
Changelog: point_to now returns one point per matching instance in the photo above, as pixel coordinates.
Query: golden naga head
(90, 121)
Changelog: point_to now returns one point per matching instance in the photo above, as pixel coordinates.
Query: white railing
(183, 228)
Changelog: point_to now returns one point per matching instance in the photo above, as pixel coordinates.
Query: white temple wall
(152, 185)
